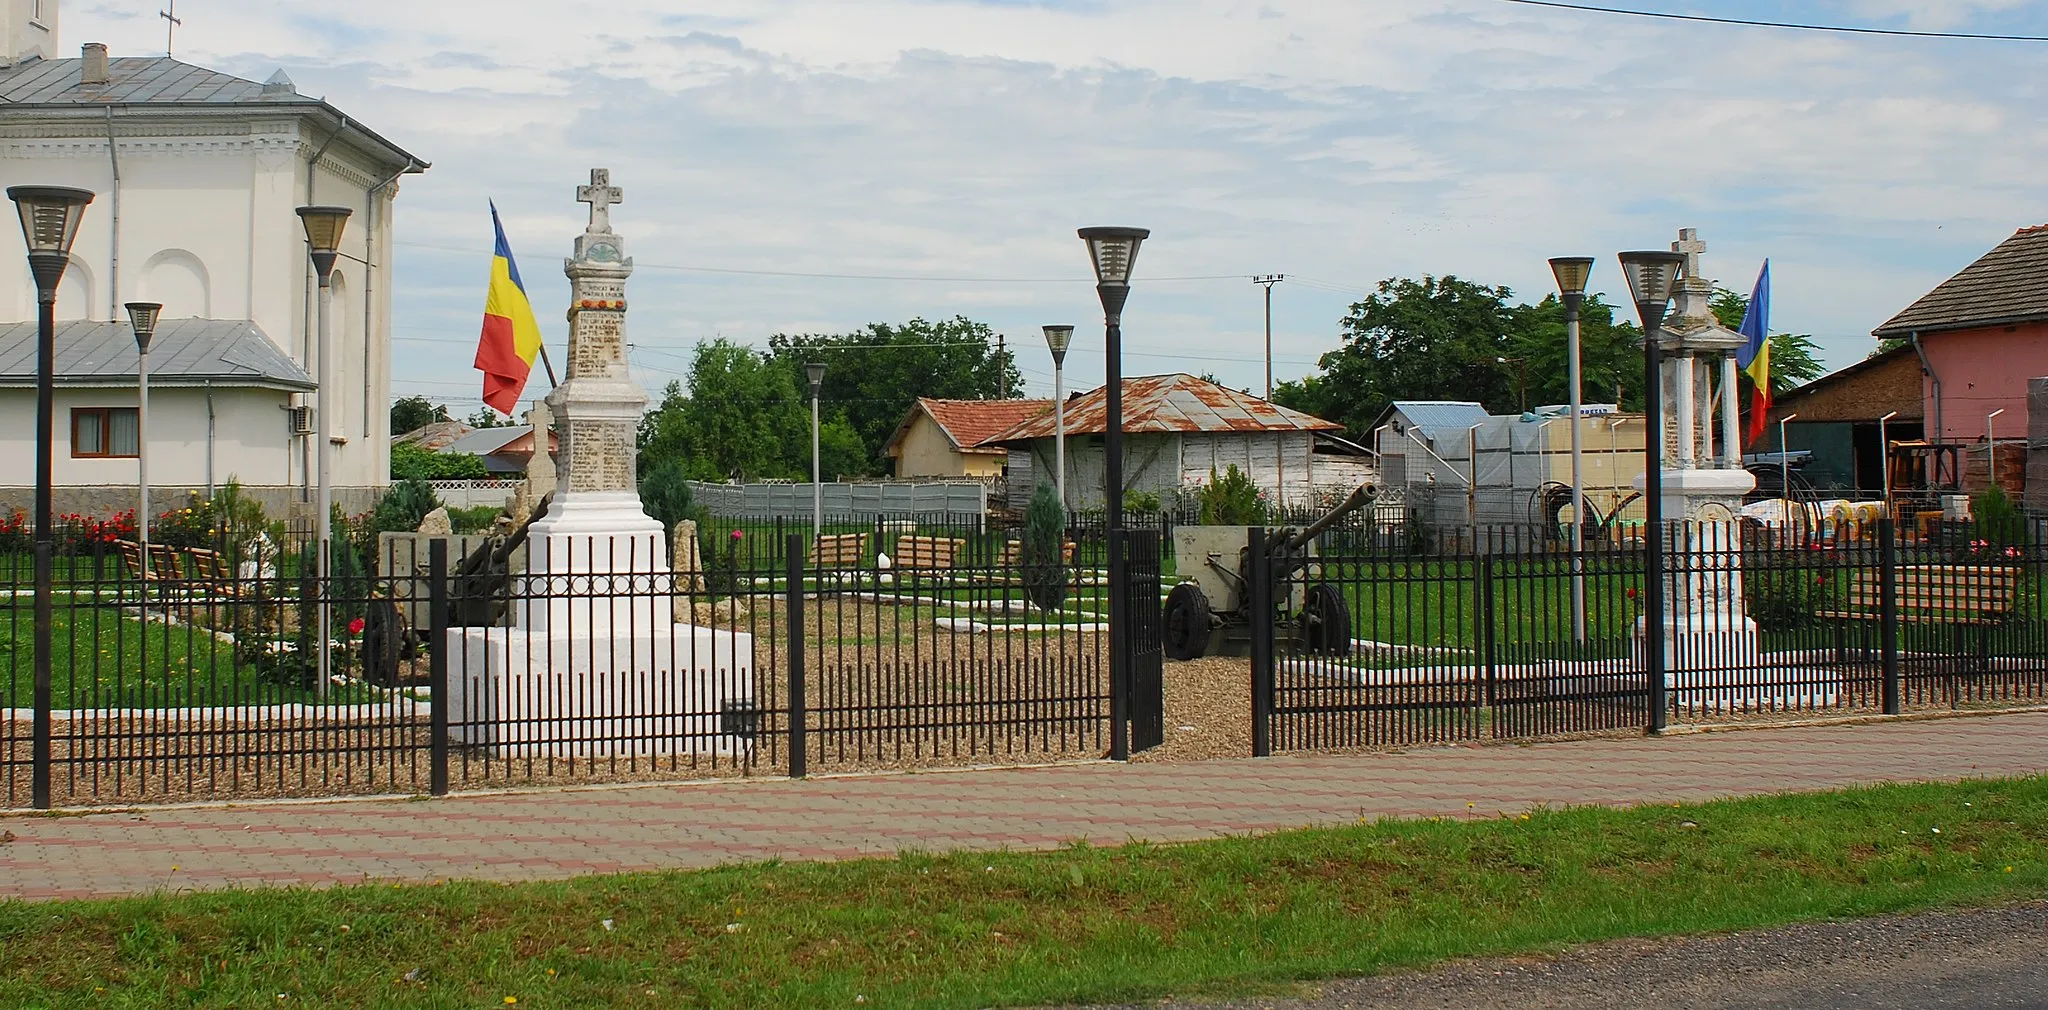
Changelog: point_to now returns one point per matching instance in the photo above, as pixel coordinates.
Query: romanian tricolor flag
(511, 338)
(1755, 357)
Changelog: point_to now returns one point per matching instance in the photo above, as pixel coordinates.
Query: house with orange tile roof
(942, 438)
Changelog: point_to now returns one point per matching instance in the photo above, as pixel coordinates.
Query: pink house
(1980, 335)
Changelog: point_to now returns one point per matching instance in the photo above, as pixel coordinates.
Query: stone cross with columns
(600, 195)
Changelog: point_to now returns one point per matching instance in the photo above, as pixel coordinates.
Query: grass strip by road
(1080, 924)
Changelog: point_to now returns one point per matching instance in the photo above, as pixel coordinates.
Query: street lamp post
(49, 223)
(1572, 273)
(1113, 251)
(142, 318)
(815, 372)
(1991, 449)
(1057, 339)
(1651, 277)
(1785, 468)
(1884, 457)
(324, 226)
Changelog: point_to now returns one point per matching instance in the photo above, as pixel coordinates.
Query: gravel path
(1992, 958)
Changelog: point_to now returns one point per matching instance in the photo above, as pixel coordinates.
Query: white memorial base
(595, 664)
(677, 689)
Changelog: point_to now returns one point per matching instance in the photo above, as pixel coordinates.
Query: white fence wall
(765, 501)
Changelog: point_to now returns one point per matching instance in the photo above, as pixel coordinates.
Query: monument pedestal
(595, 663)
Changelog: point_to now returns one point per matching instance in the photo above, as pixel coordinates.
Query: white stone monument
(594, 663)
(1710, 643)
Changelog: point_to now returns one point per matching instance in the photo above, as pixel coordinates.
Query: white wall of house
(251, 437)
(207, 227)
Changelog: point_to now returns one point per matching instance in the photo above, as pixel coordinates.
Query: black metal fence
(185, 673)
(1516, 643)
(194, 674)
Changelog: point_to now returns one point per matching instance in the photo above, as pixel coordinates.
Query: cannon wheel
(1326, 620)
(387, 642)
(1187, 622)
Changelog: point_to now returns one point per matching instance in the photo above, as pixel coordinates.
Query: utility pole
(1002, 368)
(1267, 281)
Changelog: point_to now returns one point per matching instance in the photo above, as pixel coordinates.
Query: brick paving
(548, 835)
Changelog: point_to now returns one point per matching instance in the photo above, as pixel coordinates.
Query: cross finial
(1689, 243)
(600, 195)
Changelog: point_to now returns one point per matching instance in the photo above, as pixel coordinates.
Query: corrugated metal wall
(764, 501)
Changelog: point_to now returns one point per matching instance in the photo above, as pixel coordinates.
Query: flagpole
(549, 365)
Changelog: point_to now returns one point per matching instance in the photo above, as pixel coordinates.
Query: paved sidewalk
(560, 834)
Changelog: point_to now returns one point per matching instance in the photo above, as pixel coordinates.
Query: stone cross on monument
(600, 195)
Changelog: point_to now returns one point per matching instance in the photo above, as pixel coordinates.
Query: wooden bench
(209, 572)
(839, 550)
(131, 559)
(1013, 554)
(927, 554)
(1963, 596)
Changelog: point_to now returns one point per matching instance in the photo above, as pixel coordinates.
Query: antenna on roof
(171, 27)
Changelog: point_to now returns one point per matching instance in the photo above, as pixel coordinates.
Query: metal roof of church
(184, 352)
(160, 82)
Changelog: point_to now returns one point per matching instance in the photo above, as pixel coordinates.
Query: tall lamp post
(815, 372)
(1785, 467)
(1113, 251)
(1991, 449)
(324, 226)
(49, 223)
(142, 318)
(1057, 339)
(1651, 277)
(1884, 457)
(1572, 273)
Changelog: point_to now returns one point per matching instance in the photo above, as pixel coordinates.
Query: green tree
(1610, 353)
(411, 462)
(411, 413)
(1795, 357)
(874, 375)
(401, 508)
(1437, 338)
(486, 417)
(665, 491)
(1044, 548)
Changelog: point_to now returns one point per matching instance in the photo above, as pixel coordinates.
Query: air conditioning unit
(302, 419)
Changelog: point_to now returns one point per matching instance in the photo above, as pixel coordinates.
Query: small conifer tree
(1045, 538)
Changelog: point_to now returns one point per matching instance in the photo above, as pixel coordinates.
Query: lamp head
(1652, 274)
(1571, 273)
(324, 226)
(49, 216)
(1113, 251)
(815, 371)
(142, 319)
(1057, 339)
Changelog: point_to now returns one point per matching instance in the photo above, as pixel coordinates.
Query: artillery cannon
(479, 592)
(1210, 612)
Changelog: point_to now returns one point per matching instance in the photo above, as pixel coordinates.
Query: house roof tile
(2007, 285)
(1169, 403)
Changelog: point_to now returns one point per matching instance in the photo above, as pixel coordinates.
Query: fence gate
(1144, 645)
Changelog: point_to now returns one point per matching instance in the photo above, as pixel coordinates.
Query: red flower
(1631, 592)
(736, 534)
(355, 627)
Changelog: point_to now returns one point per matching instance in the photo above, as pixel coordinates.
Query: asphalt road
(1975, 960)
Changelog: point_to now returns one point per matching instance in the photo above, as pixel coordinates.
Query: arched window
(179, 280)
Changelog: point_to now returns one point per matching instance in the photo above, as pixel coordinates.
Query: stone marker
(689, 568)
(437, 523)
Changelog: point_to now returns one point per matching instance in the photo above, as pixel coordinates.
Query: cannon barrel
(1360, 497)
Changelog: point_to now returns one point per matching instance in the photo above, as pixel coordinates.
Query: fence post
(1263, 635)
(793, 608)
(1888, 610)
(1484, 572)
(437, 665)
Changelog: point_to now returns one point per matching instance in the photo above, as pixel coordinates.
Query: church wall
(251, 436)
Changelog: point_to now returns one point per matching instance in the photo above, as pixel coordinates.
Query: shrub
(1994, 523)
(1232, 500)
(665, 493)
(1786, 598)
(410, 462)
(403, 507)
(477, 520)
(1146, 502)
(1044, 549)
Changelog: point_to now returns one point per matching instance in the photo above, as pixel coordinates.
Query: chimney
(93, 64)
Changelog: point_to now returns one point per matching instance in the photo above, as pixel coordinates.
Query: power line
(692, 268)
(1748, 23)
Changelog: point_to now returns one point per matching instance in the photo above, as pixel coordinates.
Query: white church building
(197, 175)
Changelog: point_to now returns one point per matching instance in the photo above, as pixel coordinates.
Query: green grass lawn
(1080, 924)
(101, 656)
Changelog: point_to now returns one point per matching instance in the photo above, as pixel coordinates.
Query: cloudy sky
(935, 156)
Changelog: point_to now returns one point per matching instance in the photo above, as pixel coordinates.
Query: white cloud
(1334, 140)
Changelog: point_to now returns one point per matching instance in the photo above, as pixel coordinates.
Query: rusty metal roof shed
(1169, 403)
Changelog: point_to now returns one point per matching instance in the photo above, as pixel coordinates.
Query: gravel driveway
(1994, 958)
